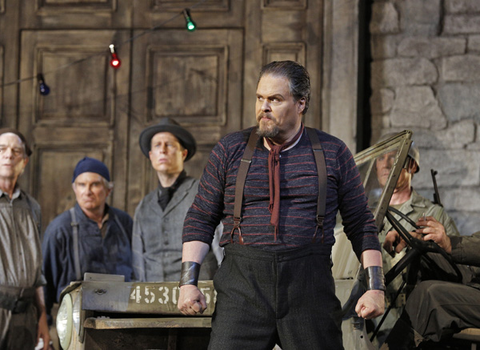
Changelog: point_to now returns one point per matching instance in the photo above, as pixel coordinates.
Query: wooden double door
(204, 79)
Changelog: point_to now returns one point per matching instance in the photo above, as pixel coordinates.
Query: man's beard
(267, 130)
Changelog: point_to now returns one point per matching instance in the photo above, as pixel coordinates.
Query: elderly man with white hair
(22, 310)
(90, 237)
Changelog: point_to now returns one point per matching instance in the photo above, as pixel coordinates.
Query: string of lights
(115, 61)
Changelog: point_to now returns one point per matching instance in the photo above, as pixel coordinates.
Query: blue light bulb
(44, 89)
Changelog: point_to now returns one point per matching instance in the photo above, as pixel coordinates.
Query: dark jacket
(111, 254)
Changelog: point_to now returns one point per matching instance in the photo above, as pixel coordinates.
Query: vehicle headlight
(64, 321)
(77, 308)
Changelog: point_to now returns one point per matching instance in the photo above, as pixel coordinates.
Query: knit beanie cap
(91, 165)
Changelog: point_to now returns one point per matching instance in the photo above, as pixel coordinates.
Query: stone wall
(426, 78)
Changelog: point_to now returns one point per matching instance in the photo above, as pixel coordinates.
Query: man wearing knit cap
(23, 319)
(90, 237)
(159, 217)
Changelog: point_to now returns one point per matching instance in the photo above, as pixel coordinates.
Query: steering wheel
(418, 248)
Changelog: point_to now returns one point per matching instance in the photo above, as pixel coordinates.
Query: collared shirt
(157, 234)
(414, 208)
(166, 193)
(110, 254)
(20, 251)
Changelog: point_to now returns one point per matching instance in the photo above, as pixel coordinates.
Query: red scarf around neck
(274, 177)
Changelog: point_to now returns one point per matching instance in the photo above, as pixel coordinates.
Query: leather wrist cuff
(375, 278)
(189, 274)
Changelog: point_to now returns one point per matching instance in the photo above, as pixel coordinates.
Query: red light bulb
(115, 61)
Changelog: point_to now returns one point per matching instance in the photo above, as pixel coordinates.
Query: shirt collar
(265, 143)
(16, 193)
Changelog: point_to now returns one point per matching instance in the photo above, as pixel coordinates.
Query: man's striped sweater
(299, 187)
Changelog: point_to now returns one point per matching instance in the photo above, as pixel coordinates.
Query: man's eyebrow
(271, 96)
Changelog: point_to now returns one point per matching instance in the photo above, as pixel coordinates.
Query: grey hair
(108, 184)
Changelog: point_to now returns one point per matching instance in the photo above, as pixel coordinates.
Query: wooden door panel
(56, 164)
(99, 14)
(86, 112)
(80, 93)
(2, 82)
(187, 83)
(284, 51)
(205, 80)
(208, 14)
(9, 38)
(192, 77)
(283, 30)
(288, 4)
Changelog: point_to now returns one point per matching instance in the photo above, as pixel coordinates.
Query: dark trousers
(285, 297)
(438, 309)
(22, 329)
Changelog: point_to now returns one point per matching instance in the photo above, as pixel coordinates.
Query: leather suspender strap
(76, 254)
(242, 175)
(240, 184)
(322, 180)
(117, 220)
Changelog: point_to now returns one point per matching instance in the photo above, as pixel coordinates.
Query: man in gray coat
(159, 217)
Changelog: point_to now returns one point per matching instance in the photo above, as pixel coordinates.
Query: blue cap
(91, 165)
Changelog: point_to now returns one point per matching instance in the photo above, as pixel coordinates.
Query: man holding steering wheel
(437, 309)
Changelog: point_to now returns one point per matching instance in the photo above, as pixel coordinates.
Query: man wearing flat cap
(23, 318)
(90, 237)
(159, 217)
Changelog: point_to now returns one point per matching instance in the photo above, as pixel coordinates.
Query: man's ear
(412, 166)
(301, 105)
(25, 162)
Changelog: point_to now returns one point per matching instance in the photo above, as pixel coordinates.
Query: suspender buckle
(236, 225)
(320, 219)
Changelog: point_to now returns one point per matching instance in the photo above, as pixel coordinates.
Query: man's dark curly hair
(297, 75)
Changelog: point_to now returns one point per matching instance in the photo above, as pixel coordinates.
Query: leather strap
(375, 278)
(240, 184)
(242, 175)
(16, 299)
(76, 254)
(189, 273)
(322, 180)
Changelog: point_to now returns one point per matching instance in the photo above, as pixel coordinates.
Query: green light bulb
(190, 24)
